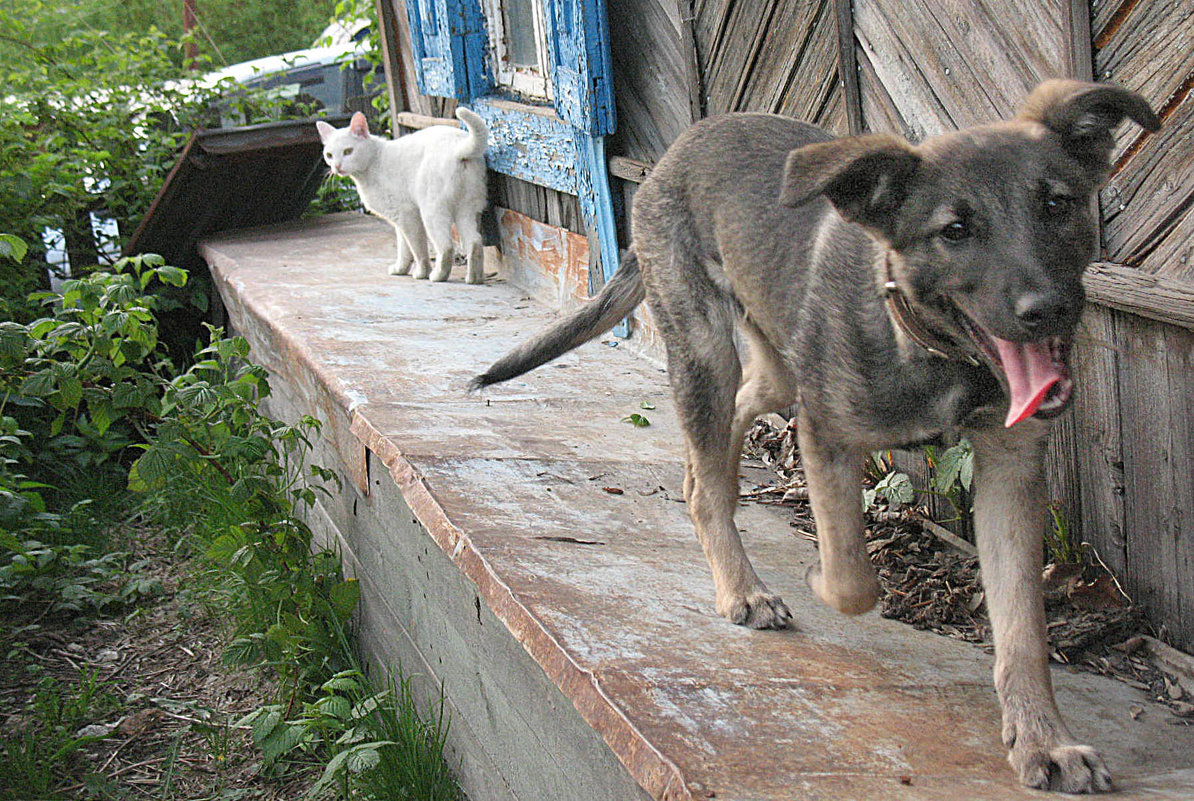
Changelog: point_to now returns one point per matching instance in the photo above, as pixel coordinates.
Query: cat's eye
(328, 155)
(347, 150)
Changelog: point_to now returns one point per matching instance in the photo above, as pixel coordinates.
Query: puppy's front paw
(1061, 768)
(756, 610)
(851, 595)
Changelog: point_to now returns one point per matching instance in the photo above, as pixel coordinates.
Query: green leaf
(136, 483)
(153, 467)
(954, 466)
(13, 247)
(340, 762)
(344, 681)
(39, 385)
(101, 417)
(172, 275)
(70, 392)
(335, 706)
(896, 488)
(646, 405)
(345, 596)
(281, 740)
(636, 420)
(366, 758)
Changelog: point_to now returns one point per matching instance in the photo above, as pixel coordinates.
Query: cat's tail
(617, 299)
(478, 134)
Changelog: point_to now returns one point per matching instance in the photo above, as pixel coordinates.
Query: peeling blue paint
(582, 79)
(530, 143)
(450, 47)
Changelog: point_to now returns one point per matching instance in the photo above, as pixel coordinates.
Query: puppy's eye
(956, 231)
(1057, 205)
(347, 150)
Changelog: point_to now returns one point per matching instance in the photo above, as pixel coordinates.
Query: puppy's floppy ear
(1085, 115)
(865, 177)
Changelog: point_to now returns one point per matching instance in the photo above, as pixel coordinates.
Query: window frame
(534, 83)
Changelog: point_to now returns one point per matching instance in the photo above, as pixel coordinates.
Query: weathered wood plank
(848, 64)
(392, 55)
(731, 65)
(1148, 48)
(1078, 41)
(654, 75)
(949, 65)
(712, 18)
(809, 90)
(780, 58)
(1107, 15)
(879, 111)
(1097, 455)
(1157, 298)
(1174, 254)
(1151, 196)
(421, 104)
(832, 116)
(1156, 391)
(894, 64)
(630, 169)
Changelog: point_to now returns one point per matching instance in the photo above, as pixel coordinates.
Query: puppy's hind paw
(1062, 769)
(759, 610)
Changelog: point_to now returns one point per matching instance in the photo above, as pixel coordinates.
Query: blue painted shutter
(582, 79)
(448, 39)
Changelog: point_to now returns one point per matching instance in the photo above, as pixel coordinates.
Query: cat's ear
(324, 129)
(359, 126)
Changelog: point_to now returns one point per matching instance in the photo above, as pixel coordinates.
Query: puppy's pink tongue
(1030, 373)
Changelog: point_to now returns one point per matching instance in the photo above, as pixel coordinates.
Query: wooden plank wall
(1147, 531)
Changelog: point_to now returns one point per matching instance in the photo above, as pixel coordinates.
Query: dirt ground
(167, 732)
(931, 580)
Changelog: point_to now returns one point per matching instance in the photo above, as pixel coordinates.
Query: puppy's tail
(617, 299)
(478, 134)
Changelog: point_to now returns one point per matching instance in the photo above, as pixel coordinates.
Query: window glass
(519, 22)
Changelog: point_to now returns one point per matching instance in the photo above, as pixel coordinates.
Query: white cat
(422, 184)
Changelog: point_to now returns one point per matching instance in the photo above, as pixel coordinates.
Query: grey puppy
(893, 293)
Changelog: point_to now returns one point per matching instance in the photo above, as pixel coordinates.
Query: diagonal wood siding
(938, 65)
(777, 56)
(1148, 206)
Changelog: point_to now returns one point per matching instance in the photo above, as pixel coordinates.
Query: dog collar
(904, 316)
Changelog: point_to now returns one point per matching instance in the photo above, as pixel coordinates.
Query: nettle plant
(239, 482)
(84, 376)
(75, 385)
(950, 472)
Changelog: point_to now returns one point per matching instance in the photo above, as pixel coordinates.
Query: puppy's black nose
(1039, 310)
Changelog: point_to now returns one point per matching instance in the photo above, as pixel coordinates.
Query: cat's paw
(441, 274)
(421, 271)
(397, 268)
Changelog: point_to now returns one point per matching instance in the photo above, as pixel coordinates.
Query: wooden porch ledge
(530, 553)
